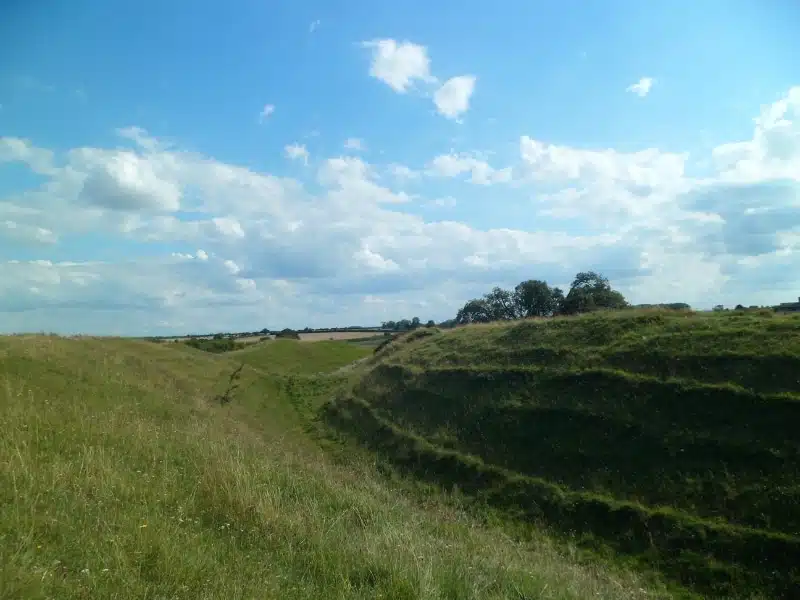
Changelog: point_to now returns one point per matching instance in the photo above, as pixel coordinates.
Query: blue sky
(166, 166)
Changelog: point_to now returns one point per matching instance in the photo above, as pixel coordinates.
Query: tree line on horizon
(589, 291)
(535, 298)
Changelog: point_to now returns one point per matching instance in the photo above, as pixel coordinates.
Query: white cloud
(774, 150)
(296, 152)
(399, 65)
(266, 112)
(402, 172)
(647, 168)
(372, 260)
(354, 144)
(351, 181)
(403, 65)
(14, 149)
(481, 173)
(140, 137)
(123, 180)
(659, 234)
(25, 234)
(232, 267)
(452, 98)
(642, 87)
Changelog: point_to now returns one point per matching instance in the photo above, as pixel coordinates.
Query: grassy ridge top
(669, 437)
(740, 348)
(121, 476)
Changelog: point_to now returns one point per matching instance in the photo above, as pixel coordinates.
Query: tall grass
(666, 437)
(120, 477)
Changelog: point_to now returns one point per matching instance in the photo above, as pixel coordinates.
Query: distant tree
(448, 324)
(534, 298)
(677, 306)
(415, 322)
(430, 323)
(669, 305)
(719, 308)
(287, 333)
(501, 305)
(474, 311)
(739, 307)
(389, 325)
(591, 291)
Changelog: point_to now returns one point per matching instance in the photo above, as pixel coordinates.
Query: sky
(195, 166)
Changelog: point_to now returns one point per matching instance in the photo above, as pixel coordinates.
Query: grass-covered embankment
(122, 476)
(670, 438)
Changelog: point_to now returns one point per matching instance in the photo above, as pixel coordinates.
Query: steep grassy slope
(669, 437)
(292, 356)
(121, 476)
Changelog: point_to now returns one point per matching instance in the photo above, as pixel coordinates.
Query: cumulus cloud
(645, 169)
(399, 64)
(481, 173)
(353, 182)
(125, 181)
(773, 152)
(452, 98)
(642, 87)
(14, 149)
(403, 65)
(638, 217)
(296, 152)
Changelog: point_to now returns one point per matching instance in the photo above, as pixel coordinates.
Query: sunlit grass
(120, 477)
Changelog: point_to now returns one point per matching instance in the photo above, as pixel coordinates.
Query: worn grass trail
(122, 477)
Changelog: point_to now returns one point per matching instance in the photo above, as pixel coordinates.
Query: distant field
(292, 356)
(337, 335)
(304, 337)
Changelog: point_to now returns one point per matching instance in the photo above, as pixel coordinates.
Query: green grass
(121, 476)
(667, 438)
(292, 356)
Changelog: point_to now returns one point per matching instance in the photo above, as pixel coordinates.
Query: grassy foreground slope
(671, 438)
(121, 476)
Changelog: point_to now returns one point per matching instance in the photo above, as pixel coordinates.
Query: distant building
(789, 306)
